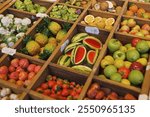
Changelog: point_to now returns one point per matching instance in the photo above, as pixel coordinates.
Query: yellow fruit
(54, 27)
(110, 59)
(143, 61)
(123, 49)
(41, 39)
(53, 41)
(104, 63)
(131, 48)
(97, 19)
(103, 20)
(127, 64)
(92, 24)
(100, 25)
(89, 19)
(126, 82)
(36, 56)
(109, 27)
(119, 63)
(83, 22)
(60, 35)
(110, 21)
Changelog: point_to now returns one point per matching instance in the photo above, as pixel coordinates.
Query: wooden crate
(50, 66)
(4, 3)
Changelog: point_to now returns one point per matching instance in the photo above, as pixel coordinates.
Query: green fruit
(41, 39)
(60, 35)
(33, 47)
(119, 55)
(132, 55)
(145, 55)
(116, 77)
(54, 27)
(128, 46)
(82, 69)
(123, 49)
(109, 70)
(64, 60)
(136, 77)
(71, 47)
(142, 46)
(49, 47)
(114, 45)
(79, 37)
(42, 9)
(92, 56)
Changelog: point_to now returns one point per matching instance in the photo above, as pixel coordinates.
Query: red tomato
(56, 88)
(73, 93)
(19, 69)
(3, 70)
(3, 76)
(37, 69)
(79, 90)
(15, 62)
(31, 75)
(14, 75)
(51, 83)
(39, 89)
(31, 67)
(65, 92)
(23, 76)
(135, 41)
(11, 68)
(44, 86)
(60, 82)
(65, 86)
(54, 77)
(47, 92)
(23, 63)
(124, 72)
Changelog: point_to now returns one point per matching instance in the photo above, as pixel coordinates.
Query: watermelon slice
(92, 56)
(92, 42)
(78, 55)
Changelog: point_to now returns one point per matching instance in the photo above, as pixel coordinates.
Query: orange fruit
(140, 12)
(129, 13)
(110, 21)
(89, 19)
(133, 8)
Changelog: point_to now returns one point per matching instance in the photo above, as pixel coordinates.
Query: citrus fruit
(126, 82)
(97, 19)
(110, 21)
(89, 19)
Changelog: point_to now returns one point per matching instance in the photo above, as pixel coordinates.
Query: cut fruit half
(110, 21)
(89, 19)
(92, 56)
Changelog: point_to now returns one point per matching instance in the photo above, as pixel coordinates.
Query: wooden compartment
(54, 70)
(143, 88)
(99, 14)
(102, 36)
(6, 62)
(4, 3)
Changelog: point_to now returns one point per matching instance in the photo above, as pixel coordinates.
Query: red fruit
(65, 92)
(135, 41)
(24, 63)
(44, 86)
(56, 88)
(31, 67)
(20, 83)
(47, 92)
(39, 89)
(59, 93)
(14, 75)
(79, 90)
(31, 75)
(114, 94)
(3, 70)
(19, 69)
(11, 68)
(137, 66)
(3, 76)
(146, 27)
(51, 83)
(60, 82)
(37, 69)
(15, 62)
(65, 86)
(100, 95)
(73, 93)
(23, 76)
(124, 72)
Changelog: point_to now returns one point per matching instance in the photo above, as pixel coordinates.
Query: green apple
(114, 45)
(123, 49)
(145, 55)
(119, 55)
(142, 46)
(136, 77)
(128, 45)
(139, 34)
(119, 63)
(148, 42)
(132, 55)
(109, 70)
(116, 77)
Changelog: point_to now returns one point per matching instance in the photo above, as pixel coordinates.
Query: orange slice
(89, 19)
(110, 21)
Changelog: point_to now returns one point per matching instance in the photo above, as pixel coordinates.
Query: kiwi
(104, 6)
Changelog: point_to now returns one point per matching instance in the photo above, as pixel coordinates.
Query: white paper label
(149, 95)
(148, 66)
(64, 45)
(143, 97)
(92, 30)
(41, 15)
(8, 51)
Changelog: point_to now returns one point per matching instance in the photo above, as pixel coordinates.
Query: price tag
(8, 51)
(143, 97)
(41, 15)
(92, 30)
(64, 45)
(148, 66)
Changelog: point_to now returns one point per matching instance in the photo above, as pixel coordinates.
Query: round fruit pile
(126, 64)
(100, 93)
(60, 89)
(49, 34)
(20, 72)
(65, 13)
(133, 10)
(82, 53)
(101, 23)
(110, 6)
(80, 3)
(7, 94)
(130, 26)
(11, 29)
(28, 5)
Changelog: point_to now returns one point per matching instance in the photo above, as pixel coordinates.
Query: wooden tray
(50, 66)
(4, 3)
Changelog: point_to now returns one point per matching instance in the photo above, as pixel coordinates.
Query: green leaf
(45, 55)
(66, 26)
(27, 39)
(24, 51)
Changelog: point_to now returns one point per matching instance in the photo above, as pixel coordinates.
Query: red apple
(19, 69)
(23, 76)
(31, 75)
(14, 75)
(135, 41)
(24, 63)
(31, 67)
(3, 76)
(11, 68)
(37, 69)
(3, 70)
(124, 29)
(146, 27)
(15, 62)
(137, 66)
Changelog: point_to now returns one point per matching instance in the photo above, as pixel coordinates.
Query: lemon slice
(110, 21)
(98, 19)
(72, 1)
(89, 19)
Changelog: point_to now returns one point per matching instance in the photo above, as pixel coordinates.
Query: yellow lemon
(143, 61)
(127, 64)
(126, 82)
(89, 19)
(97, 19)
(110, 59)
(110, 21)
